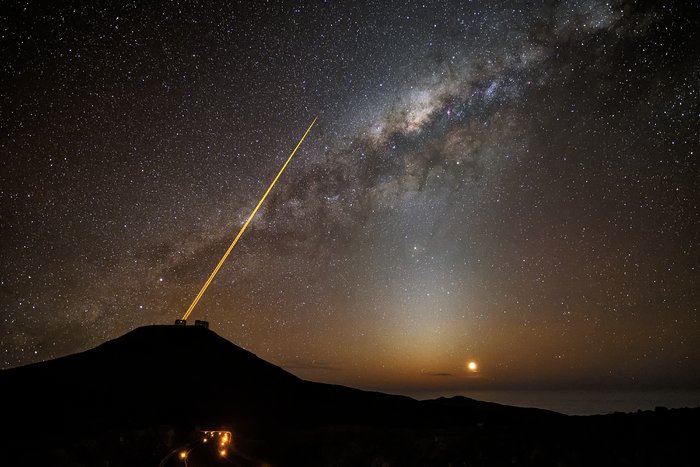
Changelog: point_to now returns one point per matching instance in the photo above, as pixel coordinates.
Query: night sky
(510, 183)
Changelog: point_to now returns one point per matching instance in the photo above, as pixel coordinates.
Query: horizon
(565, 400)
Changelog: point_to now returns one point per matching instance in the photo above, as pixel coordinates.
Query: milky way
(513, 183)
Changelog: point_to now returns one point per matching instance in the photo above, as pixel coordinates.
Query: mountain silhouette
(189, 374)
(130, 401)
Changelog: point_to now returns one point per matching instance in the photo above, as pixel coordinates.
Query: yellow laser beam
(245, 226)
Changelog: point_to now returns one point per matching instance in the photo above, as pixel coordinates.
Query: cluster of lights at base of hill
(224, 439)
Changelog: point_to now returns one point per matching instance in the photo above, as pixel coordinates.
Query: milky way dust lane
(245, 226)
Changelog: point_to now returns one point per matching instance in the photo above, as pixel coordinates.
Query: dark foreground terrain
(145, 397)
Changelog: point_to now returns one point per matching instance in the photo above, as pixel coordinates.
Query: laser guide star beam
(240, 232)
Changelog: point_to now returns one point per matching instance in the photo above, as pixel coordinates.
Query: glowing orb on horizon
(472, 366)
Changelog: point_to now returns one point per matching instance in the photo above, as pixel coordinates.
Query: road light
(183, 455)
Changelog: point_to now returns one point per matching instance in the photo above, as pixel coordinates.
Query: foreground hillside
(143, 396)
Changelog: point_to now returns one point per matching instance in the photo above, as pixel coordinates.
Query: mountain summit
(163, 374)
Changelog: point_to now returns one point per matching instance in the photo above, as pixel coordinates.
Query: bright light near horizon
(472, 366)
(183, 455)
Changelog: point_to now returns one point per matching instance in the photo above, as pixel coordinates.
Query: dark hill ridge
(156, 373)
(132, 400)
(189, 374)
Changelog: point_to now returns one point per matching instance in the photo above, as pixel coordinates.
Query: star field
(510, 183)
